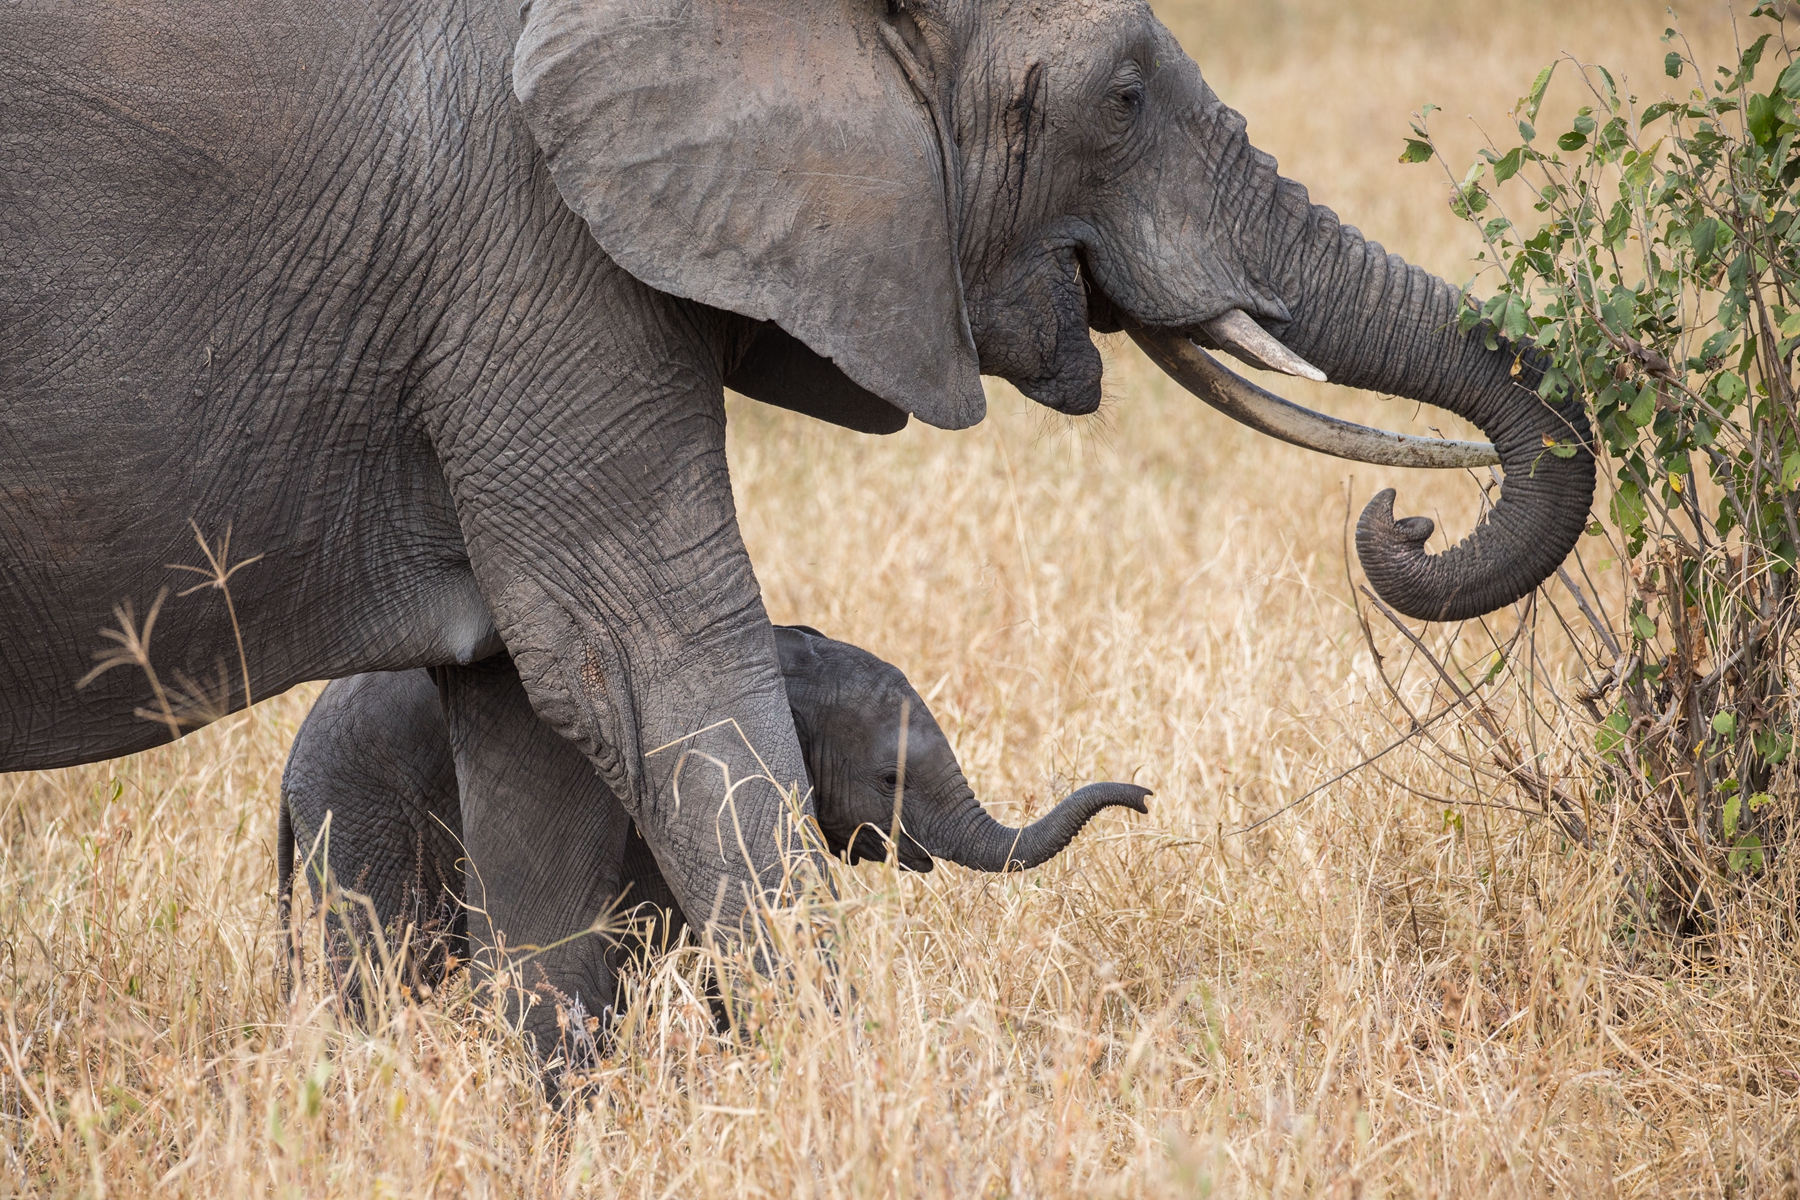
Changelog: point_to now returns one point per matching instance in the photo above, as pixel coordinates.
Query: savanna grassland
(1412, 983)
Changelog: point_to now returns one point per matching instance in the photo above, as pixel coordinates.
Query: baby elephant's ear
(769, 158)
(797, 650)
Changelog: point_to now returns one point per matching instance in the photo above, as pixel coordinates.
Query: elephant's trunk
(1372, 321)
(982, 843)
(1369, 320)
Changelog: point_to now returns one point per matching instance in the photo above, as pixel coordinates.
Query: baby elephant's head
(848, 709)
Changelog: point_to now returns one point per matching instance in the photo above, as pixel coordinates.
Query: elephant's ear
(767, 158)
(802, 667)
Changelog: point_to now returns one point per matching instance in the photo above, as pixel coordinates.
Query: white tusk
(1241, 400)
(1258, 346)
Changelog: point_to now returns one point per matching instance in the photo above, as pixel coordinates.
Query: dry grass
(1391, 989)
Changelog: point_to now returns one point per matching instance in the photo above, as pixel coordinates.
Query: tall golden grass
(1408, 984)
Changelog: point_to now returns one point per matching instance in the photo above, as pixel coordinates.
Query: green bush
(1663, 277)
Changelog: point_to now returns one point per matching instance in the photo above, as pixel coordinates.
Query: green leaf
(1716, 347)
(1729, 388)
(1790, 471)
(1612, 89)
(1535, 98)
(1573, 140)
(1725, 724)
(1733, 807)
(1619, 310)
(1789, 83)
(1704, 237)
(1611, 734)
(1748, 855)
(1763, 117)
(1629, 511)
(1416, 151)
(1515, 321)
(1772, 747)
(1507, 165)
(1468, 199)
(1752, 56)
(1672, 65)
(1615, 138)
(1644, 627)
(1618, 223)
(1494, 667)
(1760, 799)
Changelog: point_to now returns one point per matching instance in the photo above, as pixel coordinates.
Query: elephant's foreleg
(609, 555)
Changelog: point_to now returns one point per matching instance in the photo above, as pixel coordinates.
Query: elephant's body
(370, 791)
(231, 251)
(260, 258)
(295, 269)
(431, 305)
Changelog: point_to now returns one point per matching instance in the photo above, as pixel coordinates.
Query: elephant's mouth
(869, 844)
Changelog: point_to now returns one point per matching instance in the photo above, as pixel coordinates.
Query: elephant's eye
(1126, 98)
(890, 779)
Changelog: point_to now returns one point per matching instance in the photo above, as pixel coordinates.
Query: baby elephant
(375, 754)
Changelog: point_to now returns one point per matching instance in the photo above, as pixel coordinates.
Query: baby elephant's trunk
(986, 845)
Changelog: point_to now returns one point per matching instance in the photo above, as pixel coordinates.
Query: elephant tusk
(1244, 336)
(1241, 400)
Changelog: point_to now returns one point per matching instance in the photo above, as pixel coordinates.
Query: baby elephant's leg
(374, 755)
(652, 916)
(546, 841)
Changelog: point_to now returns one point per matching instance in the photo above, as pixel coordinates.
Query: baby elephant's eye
(890, 779)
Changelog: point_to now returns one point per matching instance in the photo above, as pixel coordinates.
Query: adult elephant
(432, 304)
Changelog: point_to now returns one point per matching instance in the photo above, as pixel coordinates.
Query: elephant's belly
(293, 631)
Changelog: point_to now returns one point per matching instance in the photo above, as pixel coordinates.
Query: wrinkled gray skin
(375, 754)
(433, 305)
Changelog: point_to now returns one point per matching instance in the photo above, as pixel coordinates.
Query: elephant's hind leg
(546, 842)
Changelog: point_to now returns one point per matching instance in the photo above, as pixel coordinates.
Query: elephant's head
(923, 191)
(848, 707)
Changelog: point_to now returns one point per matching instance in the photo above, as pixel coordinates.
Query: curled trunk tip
(987, 845)
(1541, 512)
